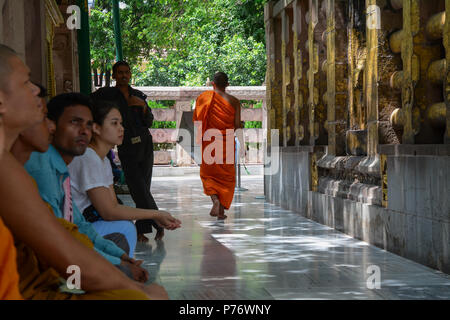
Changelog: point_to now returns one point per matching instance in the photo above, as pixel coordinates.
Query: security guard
(136, 151)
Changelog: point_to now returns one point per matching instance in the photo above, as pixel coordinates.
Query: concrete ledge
(370, 165)
(415, 149)
(360, 192)
(191, 93)
(364, 165)
(423, 240)
(292, 149)
(168, 171)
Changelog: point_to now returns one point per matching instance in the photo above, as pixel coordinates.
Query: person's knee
(129, 228)
(120, 240)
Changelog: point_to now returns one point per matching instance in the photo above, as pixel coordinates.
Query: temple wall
(364, 119)
(37, 31)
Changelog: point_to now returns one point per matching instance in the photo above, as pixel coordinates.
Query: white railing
(183, 97)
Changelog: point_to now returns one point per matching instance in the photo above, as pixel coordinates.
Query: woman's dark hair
(100, 110)
(59, 103)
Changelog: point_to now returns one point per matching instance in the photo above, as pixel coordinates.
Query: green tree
(183, 42)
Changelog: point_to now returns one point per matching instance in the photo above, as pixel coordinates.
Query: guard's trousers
(138, 176)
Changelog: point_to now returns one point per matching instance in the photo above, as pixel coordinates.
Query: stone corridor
(264, 252)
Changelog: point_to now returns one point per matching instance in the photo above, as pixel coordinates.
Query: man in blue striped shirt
(73, 119)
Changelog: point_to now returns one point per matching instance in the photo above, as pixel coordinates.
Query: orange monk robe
(9, 277)
(215, 112)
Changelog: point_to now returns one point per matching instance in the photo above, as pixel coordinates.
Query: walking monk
(220, 115)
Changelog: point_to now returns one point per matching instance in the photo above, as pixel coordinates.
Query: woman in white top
(92, 180)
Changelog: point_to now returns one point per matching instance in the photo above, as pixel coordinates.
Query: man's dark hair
(100, 110)
(220, 79)
(6, 53)
(118, 64)
(58, 104)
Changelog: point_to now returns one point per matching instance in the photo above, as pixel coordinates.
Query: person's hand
(167, 221)
(126, 258)
(136, 101)
(138, 273)
(155, 292)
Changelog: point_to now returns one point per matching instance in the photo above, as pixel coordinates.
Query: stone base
(419, 239)
(416, 222)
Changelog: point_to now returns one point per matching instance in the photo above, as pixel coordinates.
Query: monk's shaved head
(6, 54)
(221, 79)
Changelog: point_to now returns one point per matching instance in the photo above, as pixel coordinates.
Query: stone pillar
(13, 25)
(286, 76)
(331, 78)
(36, 55)
(313, 50)
(182, 157)
(53, 18)
(411, 25)
(274, 71)
(372, 79)
(447, 71)
(65, 49)
(2, 4)
(266, 130)
(297, 53)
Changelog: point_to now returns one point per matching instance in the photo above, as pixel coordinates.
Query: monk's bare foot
(159, 234)
(215, 210)
(221, 215)
(142, 238)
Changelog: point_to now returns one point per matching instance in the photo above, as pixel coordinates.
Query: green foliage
(163, 146)
(253, 124)
(183, 42)
(251, 104)
(160, 104)
(164, 125)
(102, 39)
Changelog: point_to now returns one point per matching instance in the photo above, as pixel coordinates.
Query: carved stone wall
(369, 89)
(28, 26)
(65, 57)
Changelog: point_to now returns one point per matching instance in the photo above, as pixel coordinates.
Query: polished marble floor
(264, 252)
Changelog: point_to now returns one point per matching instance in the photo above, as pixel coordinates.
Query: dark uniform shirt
(137, 140)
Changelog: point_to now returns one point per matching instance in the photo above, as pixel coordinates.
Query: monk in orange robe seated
(9, 278)
(220, 115)
(29, 220)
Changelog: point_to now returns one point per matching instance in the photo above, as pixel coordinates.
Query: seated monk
(37, 280)
(9, 278)
(220, 115)
(29, 219)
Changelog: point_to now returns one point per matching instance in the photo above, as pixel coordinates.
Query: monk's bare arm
(238, 125)
(237, 115)
(30, 221)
